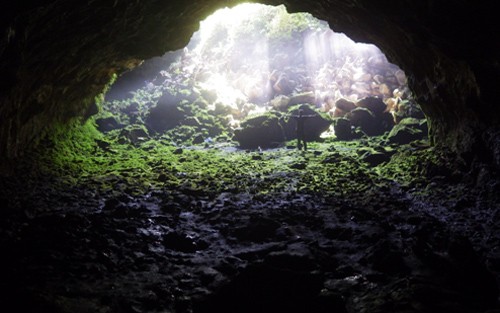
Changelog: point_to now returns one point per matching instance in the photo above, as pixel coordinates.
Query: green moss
(99, 99)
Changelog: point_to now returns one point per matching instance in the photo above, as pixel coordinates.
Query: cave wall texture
(57, 56)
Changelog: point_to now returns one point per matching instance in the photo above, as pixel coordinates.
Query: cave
(98, 216)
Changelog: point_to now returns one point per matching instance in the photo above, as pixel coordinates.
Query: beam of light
(249, 54)
(237, 71)
(226, 93)
(226, 19)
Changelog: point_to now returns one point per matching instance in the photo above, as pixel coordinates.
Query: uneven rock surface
(223, 230)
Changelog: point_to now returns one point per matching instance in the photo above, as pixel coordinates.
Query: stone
(107, 124)
(165, 115)
(198, 139)
(314, 125)
(265, 288)
(375, 158)
(178, 151)
(265, 131)
(280, 103)
(183, 243)
(374, 104)
(343, 129)
(302, 98)
(386, 258)
(134, 134)
(258, 229)
(366, 121)
(406, 131)
(345, 105)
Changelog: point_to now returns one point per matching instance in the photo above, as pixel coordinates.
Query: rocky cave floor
(217, 229)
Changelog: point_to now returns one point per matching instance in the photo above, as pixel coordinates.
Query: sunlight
(226, 94)
(252, 53)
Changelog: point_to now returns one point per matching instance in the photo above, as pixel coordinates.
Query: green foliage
(273, 25)
(286, 26)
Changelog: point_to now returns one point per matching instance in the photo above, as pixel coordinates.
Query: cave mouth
(143, 209)
(247, 72)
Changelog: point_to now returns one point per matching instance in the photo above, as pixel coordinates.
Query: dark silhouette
(301, 136)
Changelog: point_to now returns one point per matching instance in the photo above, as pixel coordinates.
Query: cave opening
(245, 74)
(182, 189)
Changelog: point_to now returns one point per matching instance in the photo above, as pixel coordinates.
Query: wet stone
(183, 243)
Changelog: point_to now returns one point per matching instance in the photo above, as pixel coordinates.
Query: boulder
(369, 123)
(134, 134)
(280, 103)
(374, 158)
(343, 129)
(107, 124)
(165, 115)
(345, 105)
(314, 125)
(365, 120)
(264, 130)
(408, 130)
(302, 98)
(374, 104)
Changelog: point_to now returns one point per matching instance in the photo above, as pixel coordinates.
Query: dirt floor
(217, 229)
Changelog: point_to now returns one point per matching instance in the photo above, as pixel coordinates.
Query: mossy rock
(343, 129)
(134, 134)
(264, 130)
(107, 124)
(165, 115)
(374, 104)
(404, 134)
(315, 124)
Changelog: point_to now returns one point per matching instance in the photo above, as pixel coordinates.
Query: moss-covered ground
(331, 167)
(108, 225)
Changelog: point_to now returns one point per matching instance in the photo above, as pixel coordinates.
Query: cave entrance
(245, 74)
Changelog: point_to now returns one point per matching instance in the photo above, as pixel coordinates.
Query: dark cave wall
(57, 56)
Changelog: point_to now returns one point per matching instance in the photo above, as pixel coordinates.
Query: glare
(226, 94)
(248, 55)
(226, 19)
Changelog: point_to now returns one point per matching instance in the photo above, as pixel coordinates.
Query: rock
(183, 243)
(374, 158)
(131, 108)
(302, 98)
(407, 108)
(374, 104)
(283, 85)
(134, 134)
(343, 129)
(280, 103)
(366, 121)
(165, 115)
(258, 229)
(314, 125)
(386, 258)
(263, 131)
(406, 131)
(345, 105)
(107, 124)
(265, 288)
(198, 139)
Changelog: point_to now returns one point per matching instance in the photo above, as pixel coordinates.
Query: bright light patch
(253, 57)
(226, 94)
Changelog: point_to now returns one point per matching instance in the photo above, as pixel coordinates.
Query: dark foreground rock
(263, 131)
(198, 231)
